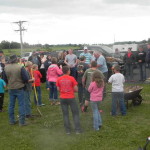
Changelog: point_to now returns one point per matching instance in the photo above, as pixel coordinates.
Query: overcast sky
(75, 21)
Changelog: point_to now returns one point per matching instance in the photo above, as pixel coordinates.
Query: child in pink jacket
(96, 95)
(53, 73)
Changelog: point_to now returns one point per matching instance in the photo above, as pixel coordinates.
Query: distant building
(124, 47)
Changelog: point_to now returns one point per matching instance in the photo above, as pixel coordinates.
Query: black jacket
(129, 60)
(141, 55)
(38, 61)
(47, 63)
(148, 56)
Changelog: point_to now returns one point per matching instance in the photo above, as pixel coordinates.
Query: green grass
(9, 52)
(47, 132)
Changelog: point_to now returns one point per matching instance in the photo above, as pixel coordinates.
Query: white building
(124, 47)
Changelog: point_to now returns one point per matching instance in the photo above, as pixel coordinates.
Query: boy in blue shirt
(2, 86)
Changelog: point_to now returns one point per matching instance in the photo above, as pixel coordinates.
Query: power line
(21, 29)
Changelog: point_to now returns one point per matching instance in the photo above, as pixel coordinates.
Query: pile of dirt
(147, 80)
(111, 59)
(132, 89)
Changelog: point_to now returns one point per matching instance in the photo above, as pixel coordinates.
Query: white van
(26, 56)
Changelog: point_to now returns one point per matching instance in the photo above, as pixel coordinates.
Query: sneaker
(96, 129)
(68, 133)
(123, 114)
(57, 103)
(13, 123)
(78, 132)
(24, 124)
(29, 116)
(52, 103)
(41, 105)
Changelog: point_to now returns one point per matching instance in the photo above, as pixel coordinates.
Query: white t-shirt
(117, 81)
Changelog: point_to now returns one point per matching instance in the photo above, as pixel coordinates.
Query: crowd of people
(67, 74)
(139, 59)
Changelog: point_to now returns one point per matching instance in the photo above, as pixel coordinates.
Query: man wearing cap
(16, 77)
(117, 54)
(87, 55)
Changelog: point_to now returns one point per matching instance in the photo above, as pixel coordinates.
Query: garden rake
(36, 98)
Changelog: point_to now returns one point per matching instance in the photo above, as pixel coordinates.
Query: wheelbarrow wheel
(137, 101)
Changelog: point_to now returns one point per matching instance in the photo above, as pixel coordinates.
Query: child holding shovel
(36, 85)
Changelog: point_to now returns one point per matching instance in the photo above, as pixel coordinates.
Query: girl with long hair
(96, 95)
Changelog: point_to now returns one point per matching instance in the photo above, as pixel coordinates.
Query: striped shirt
(88, 57)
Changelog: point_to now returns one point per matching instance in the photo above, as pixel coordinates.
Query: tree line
(15, 45)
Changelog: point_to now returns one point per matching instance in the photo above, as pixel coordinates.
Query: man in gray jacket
(16, 77)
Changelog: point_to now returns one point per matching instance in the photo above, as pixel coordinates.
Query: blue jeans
(129, 72)
(97, 120)
(53, 91)
(118, 98)
(37, 101)
(73, 72)
(19, 94)
(27, 102)
(65, 103)
(47, 84)
(142, 68)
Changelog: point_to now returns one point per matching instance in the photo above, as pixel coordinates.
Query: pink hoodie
(53, 73)
(96, 94)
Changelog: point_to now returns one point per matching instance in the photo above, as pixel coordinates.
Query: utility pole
(114, 39)
(21, 28)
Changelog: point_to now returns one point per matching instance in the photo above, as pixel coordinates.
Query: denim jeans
(81, 93)
(19, 94)
(27, 102)
(65, 103)
(37, 101)
(129, 72)
(97, 120)
(118, 97)
(47, 84)
(142, 68)
(53, 91)
(73, 72)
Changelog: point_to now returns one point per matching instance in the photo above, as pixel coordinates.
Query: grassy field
(47, 132)
(8, 52)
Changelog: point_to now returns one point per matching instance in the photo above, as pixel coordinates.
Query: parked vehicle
(26, 56)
